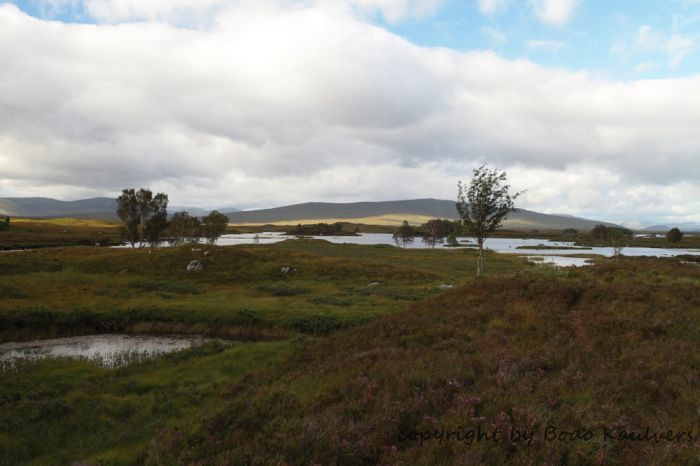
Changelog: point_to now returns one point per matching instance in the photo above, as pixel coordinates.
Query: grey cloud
(271, 104)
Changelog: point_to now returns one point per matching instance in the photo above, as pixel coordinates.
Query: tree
(5, 224)
(183, 228)
(615, 236)
(404, 235)
(434, 231)
(127, 210)
(144, 215)
(213, 226)
(674, 235)
(483, 206)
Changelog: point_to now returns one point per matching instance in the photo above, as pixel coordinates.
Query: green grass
(69, 291)
(59, 412)
(612, 346)
(38, 233)
(329, 369)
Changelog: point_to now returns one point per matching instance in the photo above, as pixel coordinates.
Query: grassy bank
(41, 233)
(241, 293)
(61, 412)
(347, 353)
(610, 347)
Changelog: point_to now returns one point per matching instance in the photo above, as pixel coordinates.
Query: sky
(591, 106)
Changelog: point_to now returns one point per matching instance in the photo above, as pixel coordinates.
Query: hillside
(416, 211)
(95, 208)
(611, 349)
(686, 226)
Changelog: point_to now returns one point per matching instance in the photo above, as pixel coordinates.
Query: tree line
(145, 221)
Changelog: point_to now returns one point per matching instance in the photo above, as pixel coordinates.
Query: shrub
(165, 288)
(317, 324)
(674, 235)
(285, 290)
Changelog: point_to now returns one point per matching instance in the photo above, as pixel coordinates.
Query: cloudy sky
(592, 106)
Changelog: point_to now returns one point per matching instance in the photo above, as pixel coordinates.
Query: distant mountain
(416, 210)
(685, 226)
(96, 207)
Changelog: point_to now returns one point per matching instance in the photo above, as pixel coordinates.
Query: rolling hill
(393, 212)
(94, 208)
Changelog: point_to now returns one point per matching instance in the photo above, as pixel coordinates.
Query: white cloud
(546, 45)
(646, 67)
(676, 46)
(554, 12)
(494, 36)
(272, 104)
(198, 12)
(398, 10)
(492, 7)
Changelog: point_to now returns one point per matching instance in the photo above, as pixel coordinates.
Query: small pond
(111, 350)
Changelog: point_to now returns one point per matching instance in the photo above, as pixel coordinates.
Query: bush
(164, 288)
(674, 235)
(246, 318)
(331, 300)
(11, 292)
(316, 324)
(284, 290)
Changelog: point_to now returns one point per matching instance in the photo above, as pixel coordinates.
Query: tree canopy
(213, 226)
(484, 204)
(144, 216)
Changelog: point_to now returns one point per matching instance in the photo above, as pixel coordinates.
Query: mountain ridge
(428, 207)
(93, 208)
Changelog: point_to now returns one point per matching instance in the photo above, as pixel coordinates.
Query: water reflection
(105, 350)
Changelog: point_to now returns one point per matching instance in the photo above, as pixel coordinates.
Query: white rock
(195, 266)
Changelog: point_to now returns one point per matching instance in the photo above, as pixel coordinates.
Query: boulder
(195, 266)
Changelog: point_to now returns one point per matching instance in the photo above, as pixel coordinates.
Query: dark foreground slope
(614, 347)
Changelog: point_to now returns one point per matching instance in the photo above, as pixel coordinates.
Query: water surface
(109, 350)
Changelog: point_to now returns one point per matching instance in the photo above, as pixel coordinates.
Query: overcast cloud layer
(263, 103)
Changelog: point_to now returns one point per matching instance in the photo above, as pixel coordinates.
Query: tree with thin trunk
(127, 210)
(404, 235)
(213, 226)
(435, 231)
(483, 205)
(183, 228)
(144, 215)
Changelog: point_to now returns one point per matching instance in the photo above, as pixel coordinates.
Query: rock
(446, 286)
(207, 253)
(374, 284)
(285, 270)
(195, 266)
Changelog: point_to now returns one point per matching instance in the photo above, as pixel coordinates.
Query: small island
(542, 246)
(324, 229)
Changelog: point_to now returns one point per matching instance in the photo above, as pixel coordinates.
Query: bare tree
(483, 206)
